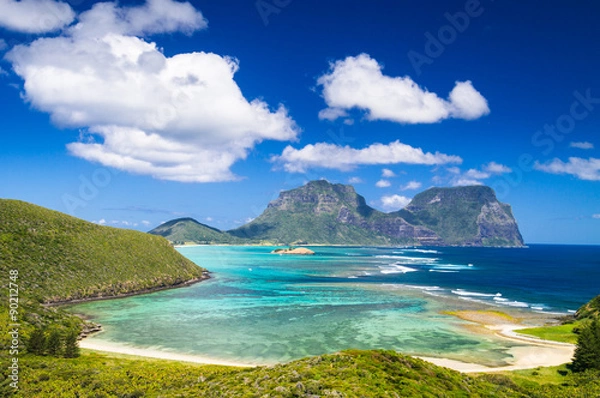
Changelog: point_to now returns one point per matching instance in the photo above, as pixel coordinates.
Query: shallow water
(265, 308)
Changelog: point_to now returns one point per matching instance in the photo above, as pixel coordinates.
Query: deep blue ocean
(264, 308)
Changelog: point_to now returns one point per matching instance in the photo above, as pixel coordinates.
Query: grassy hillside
(60, 257)
(184, 230)
(48, 257)
(347, 374)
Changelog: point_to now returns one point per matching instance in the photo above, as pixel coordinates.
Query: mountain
(465, 216)
(184, 230)
(324, 213)
(60, 258)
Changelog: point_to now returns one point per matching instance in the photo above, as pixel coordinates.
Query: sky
(129, 114)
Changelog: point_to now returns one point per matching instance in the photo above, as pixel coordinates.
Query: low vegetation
(346, 374)
(562, 333)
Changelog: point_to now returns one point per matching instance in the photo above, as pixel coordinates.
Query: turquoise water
(264, 308)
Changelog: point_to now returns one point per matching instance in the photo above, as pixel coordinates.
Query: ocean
(263, 308)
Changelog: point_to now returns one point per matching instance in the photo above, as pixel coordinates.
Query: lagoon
(263, 308)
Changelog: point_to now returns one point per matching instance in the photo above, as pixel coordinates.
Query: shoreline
(115, 348)
(205, 276)
(533, 353)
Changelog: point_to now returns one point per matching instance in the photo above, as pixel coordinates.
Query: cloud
(358, 82)
(411, 185)
(394, 202)
(155, 16)
(102, 221)
(581, 145)
(3, 45)
(387, 173)
(584, 169)
(475, 176)
(382, 184)
(462, 182)
(355, 180)
(596, 216)
(179, 118)
(332, 114)
(496, 168)
(146, 222)
(35, 16)
(344, 158)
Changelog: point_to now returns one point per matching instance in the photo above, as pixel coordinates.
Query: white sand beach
(96, 345)
(536, 353)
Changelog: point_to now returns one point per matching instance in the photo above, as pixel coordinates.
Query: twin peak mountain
(324, 213)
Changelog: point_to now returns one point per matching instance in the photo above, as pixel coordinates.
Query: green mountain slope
(319, 213)
(184, 230)
(59, 257)
(325, 213)
(464, 216)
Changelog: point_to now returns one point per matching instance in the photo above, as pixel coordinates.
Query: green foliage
(591, 310)
(71, 345)
(54, 343)
(587, 353)
(37, 342)
(346, 374)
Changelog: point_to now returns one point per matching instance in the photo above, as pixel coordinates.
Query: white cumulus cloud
(35, 16)
(584, 169)
(387, 173)
(180, 118)
(345, 158)
(411, 185)
(394, 202)
(475, 176)
(582, 145)
(382, 184)
(497, 168)
(355, 180)
(358, 82)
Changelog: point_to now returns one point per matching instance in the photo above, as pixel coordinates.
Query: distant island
(294, 250)
(324, 213)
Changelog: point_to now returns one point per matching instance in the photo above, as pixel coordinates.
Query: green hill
(184, 230)
(325, 213)
(61, 258)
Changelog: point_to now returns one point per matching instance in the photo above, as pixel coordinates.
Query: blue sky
(133, 113)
